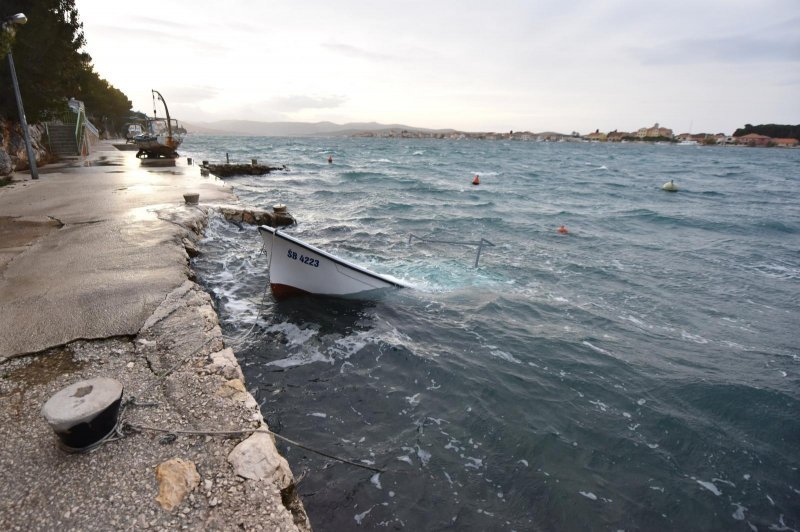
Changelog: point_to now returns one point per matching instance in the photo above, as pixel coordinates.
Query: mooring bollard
(84, 413)
(191, 198)
(205, 163)
(189, 161)
(227, 159)
(253, 162)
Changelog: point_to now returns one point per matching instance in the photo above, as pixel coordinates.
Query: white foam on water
(728, 482)
(413, 400)
(406, 459)
(780, 525)
(474, 463)
(301, 359)
(693, 338)
(588, 495)
(710, 487)
(318, 414)
(641, 402)
(347, 346)
(599, 404)
(739, 513)
(295, 336)
(523, 462)
(423, 455)
(505, 356)
(376, 480)
(360, 517)
(636, 321)
(598, 349)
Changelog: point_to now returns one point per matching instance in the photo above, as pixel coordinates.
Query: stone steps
(62, 140)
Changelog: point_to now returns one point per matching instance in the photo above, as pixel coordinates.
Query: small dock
(229, 169)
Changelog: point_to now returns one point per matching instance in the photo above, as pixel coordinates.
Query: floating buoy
(669, 186)
(330, 158)
(563, 230)
(476, 180)
(84, 413)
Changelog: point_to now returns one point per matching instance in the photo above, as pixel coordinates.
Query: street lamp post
(20, 18)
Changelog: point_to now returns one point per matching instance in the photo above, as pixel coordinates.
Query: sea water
(638, 373)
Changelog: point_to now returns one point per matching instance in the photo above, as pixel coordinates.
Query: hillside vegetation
(51, 66)
(776, 131)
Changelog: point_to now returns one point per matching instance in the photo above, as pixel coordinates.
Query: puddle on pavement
(44, 368)
(158, 163)
(104, 161)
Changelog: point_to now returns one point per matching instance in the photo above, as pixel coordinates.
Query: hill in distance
(293, 129)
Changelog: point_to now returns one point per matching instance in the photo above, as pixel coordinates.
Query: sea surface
(639, 373)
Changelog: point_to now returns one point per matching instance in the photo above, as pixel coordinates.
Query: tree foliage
(776, 131)
(51, 66)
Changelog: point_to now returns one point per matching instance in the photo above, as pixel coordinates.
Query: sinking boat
(297, 268)
(161, 137)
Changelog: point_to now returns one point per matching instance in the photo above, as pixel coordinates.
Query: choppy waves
(640, 372)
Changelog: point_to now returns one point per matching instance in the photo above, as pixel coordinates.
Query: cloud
(192, 94)
(359, 53)
(731, 49)
(292, 104)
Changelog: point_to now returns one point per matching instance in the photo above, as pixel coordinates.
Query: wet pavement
(95, 281)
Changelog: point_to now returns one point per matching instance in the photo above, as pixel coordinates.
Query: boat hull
(298, 268)
(156, 145)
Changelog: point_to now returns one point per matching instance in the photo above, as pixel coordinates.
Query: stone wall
(13, 155)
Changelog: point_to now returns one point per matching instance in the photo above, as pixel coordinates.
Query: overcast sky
(704, 66)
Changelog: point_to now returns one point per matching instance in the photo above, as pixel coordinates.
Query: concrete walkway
(95, 281)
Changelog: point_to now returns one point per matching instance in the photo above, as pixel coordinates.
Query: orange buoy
(476, 180)
(330, 158)
(563, 230)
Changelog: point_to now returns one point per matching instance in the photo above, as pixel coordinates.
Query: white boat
(297, 268)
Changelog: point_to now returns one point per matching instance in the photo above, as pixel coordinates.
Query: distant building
(617, 136)
(753, 139)
(654, 131)
(786, 143)
(597, 136)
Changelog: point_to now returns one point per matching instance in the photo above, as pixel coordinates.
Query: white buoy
(669, 186)
(84, 412)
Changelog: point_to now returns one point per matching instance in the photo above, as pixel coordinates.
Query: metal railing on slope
(480, 243)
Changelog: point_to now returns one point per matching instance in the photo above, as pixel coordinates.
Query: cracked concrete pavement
(95, 281)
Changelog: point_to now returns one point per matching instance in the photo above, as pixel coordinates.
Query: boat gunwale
(333, 258)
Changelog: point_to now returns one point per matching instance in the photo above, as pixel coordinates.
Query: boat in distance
(297, 268)
(160, 137)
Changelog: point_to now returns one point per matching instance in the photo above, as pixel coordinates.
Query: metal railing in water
(480, 243)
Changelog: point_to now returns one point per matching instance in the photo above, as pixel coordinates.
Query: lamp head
(19, 18)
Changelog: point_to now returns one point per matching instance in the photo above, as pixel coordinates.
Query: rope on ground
(243, 432)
